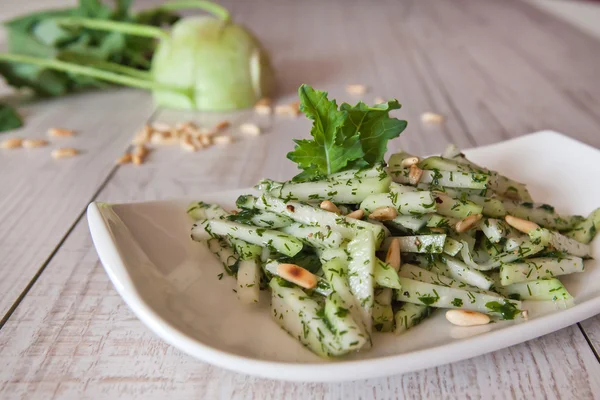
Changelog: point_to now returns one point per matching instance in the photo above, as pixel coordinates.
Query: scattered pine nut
(32, 143)
(384, 214)
(298, 275)
(250, 129)
(525, 314)
(467, 318)
(358, 214)
(291, 110)
(64, 152)
(378, 100)
(467, 223)
(432, 118)
(329, 206)
(222, 125)
(186, 144)
(124, 159)
(409, 162)
(414, 175)
(140, 150)
(11, 143)
(356, 89)
(137, 160)
(205, 140)
(185, 126)
(521, 224)
(263, 106)
(143, 136)
(161, 127)
(59, 132)
(393, 254)
(222, 140)
(163, 139)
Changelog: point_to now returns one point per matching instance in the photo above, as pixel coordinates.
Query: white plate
(171, 283)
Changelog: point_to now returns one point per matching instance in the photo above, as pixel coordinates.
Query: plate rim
(337, 370)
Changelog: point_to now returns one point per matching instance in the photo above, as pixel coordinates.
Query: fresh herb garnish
(348, 137)
(9, 119)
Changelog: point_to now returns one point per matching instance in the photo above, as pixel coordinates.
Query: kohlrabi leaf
(331, 149)
(374, 126)
(9, 118)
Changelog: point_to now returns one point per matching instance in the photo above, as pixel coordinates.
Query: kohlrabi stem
(113, 26)
(114, 67)
(208, 6)
(88, 71)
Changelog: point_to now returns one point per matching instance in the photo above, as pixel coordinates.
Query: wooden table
(495, 69)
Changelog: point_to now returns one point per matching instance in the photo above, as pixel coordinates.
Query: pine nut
(222, 125)
(414, 175)
(163, 139)
(161, 127)
(409, 162)
(292, 109)
(137, 160)
(222, 140)
(356, 89)
(124, 159)
(329, 206)
(140, 150)
(32, 143)
(185, 126)
(205, 140)
(525, 314)
(432, 118)
(263, 106)
(186, 144)
(393, 254)
(143, 136)
(298, 275)
(64, 152)
(467, 223)
(384, 214)
(521, 224)
(59, 132)
(11, 143)
(437, 230)
(358, 214)
(250, 129)
(467, 318)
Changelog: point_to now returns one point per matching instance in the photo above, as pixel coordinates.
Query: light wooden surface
(65, 333)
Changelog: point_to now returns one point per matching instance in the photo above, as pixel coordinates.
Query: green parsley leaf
(330, 150)
(374, 126)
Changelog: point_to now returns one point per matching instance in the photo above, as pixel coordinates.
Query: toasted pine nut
(356, 89)
(378, 100)
(393, 254)
(185, 126)
(186, 144)
(329, 206)
(222, 125)
(161, 127)
(205, 140)
(143, 136)
(298, 275)
(265, 101)
(124, 159)
(467, 318)
(384, 214)
(358, 214)
(64, 152)
(292, 109)
(163, 139)
(137, 160)
(250, 129)
(262, 109)
(467, 223)
(409, 162)
(525, 314)
(414, 175)
(521, 224)
(32, 143)
(140, 150)
(432, 118)
(11, 143)
(222, 139)
(59, 132)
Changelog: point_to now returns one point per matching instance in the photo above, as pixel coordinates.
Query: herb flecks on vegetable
(348, 137)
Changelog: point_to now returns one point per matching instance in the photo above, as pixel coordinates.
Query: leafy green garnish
(348, 137)
(9, 119)
(507, 309)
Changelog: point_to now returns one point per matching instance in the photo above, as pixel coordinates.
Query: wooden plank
(73, 337)
(42, 197)
(591, 328)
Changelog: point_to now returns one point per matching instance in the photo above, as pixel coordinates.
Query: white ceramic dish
(171, 283)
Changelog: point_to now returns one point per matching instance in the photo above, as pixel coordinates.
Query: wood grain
(73, 337)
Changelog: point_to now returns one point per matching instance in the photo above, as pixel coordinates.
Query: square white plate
(171, 283)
